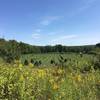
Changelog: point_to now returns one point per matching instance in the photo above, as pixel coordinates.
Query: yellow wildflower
(30, 64)
(51, 81)
(78, 78)
(41, 73)
(55, 86)
(21, 77)
(20, 65)
(60, 71)
(17, 61)
(56, 78)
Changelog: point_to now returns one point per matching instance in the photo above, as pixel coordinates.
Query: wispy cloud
(38, 30)
(1, 35)
(49, 19)
(88, 1)
(61, 39)
(35, 35)
(76, 39)
(53, 33)
(86, 5)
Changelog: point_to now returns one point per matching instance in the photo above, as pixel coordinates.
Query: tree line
(13, 49)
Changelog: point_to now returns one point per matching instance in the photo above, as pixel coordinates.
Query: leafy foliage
(19, 83)
(97, 63)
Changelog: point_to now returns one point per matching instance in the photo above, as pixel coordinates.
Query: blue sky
(50, 22)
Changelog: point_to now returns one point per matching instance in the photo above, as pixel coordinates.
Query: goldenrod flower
(21, 77)
(20, 65)
(60, 71)
(30, 64)
(55, 86)
(41, 73)
(78, 78)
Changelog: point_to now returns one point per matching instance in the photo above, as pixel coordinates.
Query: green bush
(97, 63)
(26, 62)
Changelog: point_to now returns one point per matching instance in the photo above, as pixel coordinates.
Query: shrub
(26, 62)
(62, 61)
(86, 69)
(32, 61)
(97, 63)
(9, 57)
(81, 54)
(65, 60)
(36, 63)
(52, 62)
(61, 57)
(40, 62)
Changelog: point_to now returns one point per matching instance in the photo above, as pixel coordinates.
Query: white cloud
(49, 19)
(38, 30)
(88, 1)
(52, 33)
(35, 35)
(56, 32)
(83, 39)
(45, 22)
(1, 34)
(89, 38)
(61, 39)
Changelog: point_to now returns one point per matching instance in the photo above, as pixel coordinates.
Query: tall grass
(71, 82)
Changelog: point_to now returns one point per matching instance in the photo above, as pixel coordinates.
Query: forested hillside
(23, 48)
(10, 50)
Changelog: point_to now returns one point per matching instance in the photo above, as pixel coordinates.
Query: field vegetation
(38, 73)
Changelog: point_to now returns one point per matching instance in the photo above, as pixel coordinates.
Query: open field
(72, 58)
(48, 81)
